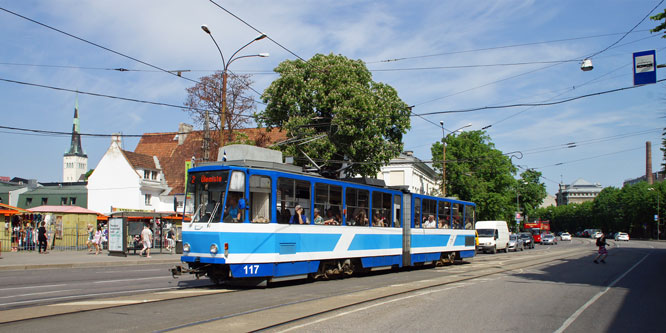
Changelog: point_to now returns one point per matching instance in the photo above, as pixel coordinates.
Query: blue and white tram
(245, 225)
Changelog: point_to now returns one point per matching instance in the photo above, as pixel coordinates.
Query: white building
(578, 192)
(407, 170)
(124, 180)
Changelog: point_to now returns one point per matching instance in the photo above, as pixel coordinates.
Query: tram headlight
(213, 248)
(186, 247)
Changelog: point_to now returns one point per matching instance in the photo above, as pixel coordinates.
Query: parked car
(548, 239)
(515, 243)
(622, 236)
(565, 236)
(597, 234)
(528, 241)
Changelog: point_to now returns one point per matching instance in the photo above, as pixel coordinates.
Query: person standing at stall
(41, 237)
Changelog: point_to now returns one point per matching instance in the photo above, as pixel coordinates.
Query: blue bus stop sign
(645, 67)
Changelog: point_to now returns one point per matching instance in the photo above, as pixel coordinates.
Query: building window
(146, 174)
(147, 200)
(28, 201)
(63, 201)
(72, 201)
(153, 175)
(45, 201)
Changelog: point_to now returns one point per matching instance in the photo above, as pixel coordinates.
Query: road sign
(645, 67)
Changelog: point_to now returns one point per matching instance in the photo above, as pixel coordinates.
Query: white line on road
(39, 293)
(32, 287)
(578, 312)
(84, 295)
(136, 279)
(125, 271)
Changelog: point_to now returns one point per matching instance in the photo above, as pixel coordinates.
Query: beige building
(578, 192)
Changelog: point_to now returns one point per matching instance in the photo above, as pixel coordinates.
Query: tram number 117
(251, 269)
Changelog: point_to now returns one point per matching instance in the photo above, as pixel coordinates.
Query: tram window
(381, 209)
(328, 199)
(469, 217)
(234, 209)
(444, 214)
(396, 212)
(417, 213)
(429, 207)
(456, 216)
(260, 199)
(292, 192)
(357, 207)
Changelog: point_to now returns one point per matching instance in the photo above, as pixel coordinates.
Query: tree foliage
(531, 191)
(332, 111)
(477, 172)
(661, 26)
(204, 97)
(629, 209)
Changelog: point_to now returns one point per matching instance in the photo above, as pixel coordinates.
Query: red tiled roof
(172, 156)
(140, 160)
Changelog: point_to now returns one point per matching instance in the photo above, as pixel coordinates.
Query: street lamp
(657, 192)
(441, 123)
(225, 67)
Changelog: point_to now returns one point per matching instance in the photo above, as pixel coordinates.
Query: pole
(223, 113)
(443, 167)
(658, 216)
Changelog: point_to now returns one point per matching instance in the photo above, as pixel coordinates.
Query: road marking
(84, 295)
(125, 271)
(115, 302)
(136, 279)
(31, 287)
(39, 293)
(580, 310)
(196, 291)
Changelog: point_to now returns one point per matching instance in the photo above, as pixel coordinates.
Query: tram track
(261, 319)
(307, 308)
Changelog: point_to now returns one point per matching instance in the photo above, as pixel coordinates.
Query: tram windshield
(207, 189)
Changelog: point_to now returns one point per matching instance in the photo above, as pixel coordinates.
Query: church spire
(75, 147)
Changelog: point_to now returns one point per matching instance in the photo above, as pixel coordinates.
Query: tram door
(406, 229)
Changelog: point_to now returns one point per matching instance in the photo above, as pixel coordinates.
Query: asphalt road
(548, 289)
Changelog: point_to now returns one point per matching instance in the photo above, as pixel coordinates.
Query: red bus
(537, 228)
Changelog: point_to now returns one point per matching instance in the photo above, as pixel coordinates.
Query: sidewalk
(70, 259)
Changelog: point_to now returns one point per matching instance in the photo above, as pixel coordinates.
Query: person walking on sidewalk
(97, 240)
(601, 243)
(91, 237)
(147, 240)
(41, 237)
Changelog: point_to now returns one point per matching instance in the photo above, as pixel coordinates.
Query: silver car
(515, 243)
(548, 239)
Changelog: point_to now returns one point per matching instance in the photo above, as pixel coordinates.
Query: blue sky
(609, 130)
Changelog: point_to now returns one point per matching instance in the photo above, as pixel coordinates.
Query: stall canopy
(7, 210)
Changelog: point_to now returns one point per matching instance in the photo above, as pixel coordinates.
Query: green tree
(333, 111)
(662, 25)
(531, 191)
(478, 172)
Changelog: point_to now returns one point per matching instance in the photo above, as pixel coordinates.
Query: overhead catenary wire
(96, 45)
(114, 97)
(533, 104)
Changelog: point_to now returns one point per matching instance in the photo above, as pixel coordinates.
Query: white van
(493, 236)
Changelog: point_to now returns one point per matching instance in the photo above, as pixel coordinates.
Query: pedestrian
(147, 240)
(170, 240)
(41, 237)
(97, 240)
(91, 236)
(601, 243)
